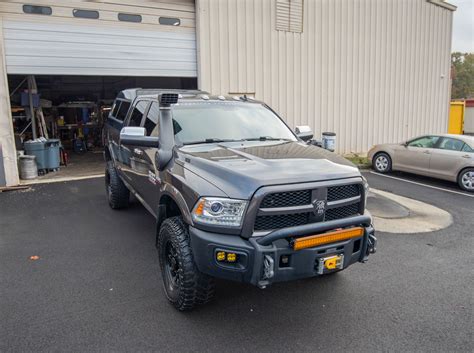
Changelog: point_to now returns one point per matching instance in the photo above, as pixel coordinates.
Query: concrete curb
(422, 217)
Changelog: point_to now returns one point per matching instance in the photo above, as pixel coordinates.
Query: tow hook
(268, 271)
(371, 244)
(371, 247)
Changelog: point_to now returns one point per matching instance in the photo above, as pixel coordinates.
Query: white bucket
(329, 141)
(28, 167)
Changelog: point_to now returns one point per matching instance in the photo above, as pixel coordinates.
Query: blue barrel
(52, 151)
(37, 149)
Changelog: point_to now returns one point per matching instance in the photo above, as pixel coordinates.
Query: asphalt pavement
(97, 287)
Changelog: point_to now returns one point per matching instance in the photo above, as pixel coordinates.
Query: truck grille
(342, 192)
(342, 212)
(287, 199)
(281, 221)
(347, 196)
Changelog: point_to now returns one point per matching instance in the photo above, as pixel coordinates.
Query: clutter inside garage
(58, 120)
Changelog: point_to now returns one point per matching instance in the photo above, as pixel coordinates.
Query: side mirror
(304, 133)
(136, 136)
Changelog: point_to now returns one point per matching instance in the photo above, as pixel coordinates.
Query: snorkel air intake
(165, 151)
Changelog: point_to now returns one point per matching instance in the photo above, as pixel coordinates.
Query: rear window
(122, 111)
(115, 108)
(137, 114)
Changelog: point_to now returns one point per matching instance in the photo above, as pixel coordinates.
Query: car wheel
(382, 163)
(184, 285)
(466, 179)
(118, 195)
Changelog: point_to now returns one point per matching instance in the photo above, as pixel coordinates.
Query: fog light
(220, 256)
(231, 257)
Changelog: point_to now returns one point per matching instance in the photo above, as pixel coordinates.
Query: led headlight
(219, 211)
(366, 190)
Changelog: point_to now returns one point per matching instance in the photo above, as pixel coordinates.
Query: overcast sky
(463, 27)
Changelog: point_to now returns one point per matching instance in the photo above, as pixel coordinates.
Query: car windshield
(227, 121)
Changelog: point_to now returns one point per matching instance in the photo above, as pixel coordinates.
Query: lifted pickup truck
(236, 194)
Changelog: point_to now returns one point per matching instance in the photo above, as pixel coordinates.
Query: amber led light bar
(327, 238)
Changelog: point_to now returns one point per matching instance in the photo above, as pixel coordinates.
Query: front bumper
(265, 260)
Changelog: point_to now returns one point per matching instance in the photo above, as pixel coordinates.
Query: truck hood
(240, 168)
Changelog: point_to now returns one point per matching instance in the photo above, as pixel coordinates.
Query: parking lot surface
(97, 287)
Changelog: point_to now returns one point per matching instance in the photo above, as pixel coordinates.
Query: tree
(463, 75)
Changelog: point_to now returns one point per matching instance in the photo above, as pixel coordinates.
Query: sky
(463, 26)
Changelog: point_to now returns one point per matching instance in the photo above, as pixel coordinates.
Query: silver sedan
(448, 157)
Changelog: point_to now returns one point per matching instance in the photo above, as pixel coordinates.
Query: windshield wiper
(265, 138)
(210, 140)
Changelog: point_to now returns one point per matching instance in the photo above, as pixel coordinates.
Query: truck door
(114, 125)
(149, 183)
(131, 156)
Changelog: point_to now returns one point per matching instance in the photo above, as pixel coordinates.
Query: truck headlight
(219, 211)
(366, 190)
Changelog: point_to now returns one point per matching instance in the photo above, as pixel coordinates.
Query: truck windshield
(227, 121)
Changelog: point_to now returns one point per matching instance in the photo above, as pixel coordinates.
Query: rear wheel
(466, 179)
(382, 163)
(118, 195)
(184, 285)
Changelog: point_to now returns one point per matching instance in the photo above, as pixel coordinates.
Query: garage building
(369, 70)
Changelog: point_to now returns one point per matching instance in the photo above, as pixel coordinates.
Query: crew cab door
(149, 179)
(130, 163)
(115, 122)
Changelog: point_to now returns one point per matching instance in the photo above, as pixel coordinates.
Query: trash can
(37, 149)
(28, 168)
(329, 141)
(52, 151)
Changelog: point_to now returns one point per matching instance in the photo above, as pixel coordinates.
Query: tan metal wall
(370, 70)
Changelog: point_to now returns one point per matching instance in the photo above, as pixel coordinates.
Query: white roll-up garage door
(51, 46)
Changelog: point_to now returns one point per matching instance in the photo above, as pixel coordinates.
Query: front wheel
(466, 179)
(382, 163)
(184, 285)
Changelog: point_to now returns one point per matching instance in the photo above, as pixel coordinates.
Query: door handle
(427, 152)
(466, 156)
(137, 151)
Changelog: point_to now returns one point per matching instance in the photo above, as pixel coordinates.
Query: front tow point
(268, 271)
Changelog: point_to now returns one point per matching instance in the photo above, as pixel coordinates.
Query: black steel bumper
(268, 259)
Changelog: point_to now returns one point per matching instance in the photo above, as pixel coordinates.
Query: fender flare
(177, 197)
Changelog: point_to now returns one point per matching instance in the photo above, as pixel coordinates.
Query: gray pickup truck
(236, 194)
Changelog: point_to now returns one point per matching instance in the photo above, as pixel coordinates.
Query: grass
(359, 161)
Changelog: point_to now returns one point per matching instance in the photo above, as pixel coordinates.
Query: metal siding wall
(370, 70)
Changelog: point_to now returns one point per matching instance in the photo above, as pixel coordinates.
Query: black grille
(287, 199)
(280, 221)
(343, 192)
(342, 212)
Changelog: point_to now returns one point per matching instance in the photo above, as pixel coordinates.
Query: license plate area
(330, 263)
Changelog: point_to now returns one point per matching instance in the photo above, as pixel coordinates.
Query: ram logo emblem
(319, 207)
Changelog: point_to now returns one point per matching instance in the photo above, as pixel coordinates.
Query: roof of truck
(186, 95)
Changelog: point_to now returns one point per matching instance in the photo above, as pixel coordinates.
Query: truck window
(115, 109)
(122, 112)
(151, 120)
(137, 114)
